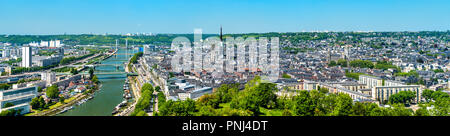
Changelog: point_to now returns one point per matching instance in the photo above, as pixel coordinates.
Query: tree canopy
(52, 92)
(361, 64)
(404, 97)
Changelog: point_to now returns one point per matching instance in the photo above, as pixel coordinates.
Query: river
(110, 93)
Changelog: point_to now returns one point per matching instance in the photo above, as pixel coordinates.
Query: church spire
(221, 36)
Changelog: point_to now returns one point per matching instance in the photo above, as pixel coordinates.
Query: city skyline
(121, 17)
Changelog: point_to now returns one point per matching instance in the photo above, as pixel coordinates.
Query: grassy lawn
(60, 104)
(51, 107)
(29, 114)
(69, 100)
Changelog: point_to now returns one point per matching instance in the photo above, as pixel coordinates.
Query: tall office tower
(52, 43)
(126, 47)
(198, 56)
(26, 56)
(57, 43)
(6, 52)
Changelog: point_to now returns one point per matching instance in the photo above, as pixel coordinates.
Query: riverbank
(135, 91)
(58, 107)
(127, 110)
(110, 94)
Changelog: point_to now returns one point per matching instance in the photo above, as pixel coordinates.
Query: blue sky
(236, 16)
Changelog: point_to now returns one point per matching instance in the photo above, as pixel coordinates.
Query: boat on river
(66, 109)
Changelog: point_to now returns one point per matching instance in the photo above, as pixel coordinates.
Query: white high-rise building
(49, 77)
(6, 52)
(57, 43)
(26, 56)
(52, 43)
(44, 43)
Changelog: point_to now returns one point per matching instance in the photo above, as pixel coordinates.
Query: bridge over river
(112, 75)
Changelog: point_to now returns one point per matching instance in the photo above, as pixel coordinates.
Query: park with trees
(258, 99)
(143, 104)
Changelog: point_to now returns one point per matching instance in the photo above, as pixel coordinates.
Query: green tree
(385, 65)
(144, 101)
(95, 79)
(404, 97)
(61, 99)
(353, 75)
(439, 94)
(285, 76)
(39, 89)
(35, 104)
(438, 71)
(286, 112)
(373, 109)
(343, 106)
(41, 103)
(207, 111)
(303, 104)
(265, 93)
(226, 92)
(332, 63)
(323, 90)
(5, 86)
(441, 106)
(136, 57)
(318, 99)
(422, 111)
(427, 93)
(398, 110)
(148, 87)
(358, 109)
(11, 112)
(52, 91)
(74, 71)
(361, 64)
(141, 113)
(8, 105)
(342, 62)
(157, 89)
(209, 100)
(91, 73)
(255, 95)
(245, 101)
(177, 108)
(4, 73)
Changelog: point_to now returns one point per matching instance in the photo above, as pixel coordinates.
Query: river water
(110, 93)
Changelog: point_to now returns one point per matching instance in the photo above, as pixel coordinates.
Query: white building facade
(26, 57)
